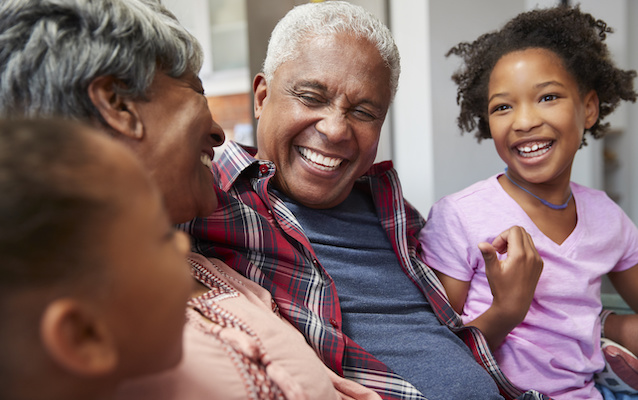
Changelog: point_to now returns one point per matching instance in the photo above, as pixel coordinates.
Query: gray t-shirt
(383, 310)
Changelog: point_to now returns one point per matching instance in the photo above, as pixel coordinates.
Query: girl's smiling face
(537, 115)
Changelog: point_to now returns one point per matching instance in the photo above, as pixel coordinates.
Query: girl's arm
(623, 329)
(456, 291)
(512, 282)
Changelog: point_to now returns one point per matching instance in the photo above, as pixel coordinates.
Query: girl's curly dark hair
(576, 37)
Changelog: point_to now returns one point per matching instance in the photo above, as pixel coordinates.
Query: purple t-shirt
(557, 347)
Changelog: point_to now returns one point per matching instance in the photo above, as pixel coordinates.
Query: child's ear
(592, 108)
(119, 112)
(77, 339)
(260, 90)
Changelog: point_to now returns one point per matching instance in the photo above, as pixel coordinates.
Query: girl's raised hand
(512, 282)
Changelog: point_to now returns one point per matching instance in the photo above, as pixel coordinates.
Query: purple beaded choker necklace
(545, 202)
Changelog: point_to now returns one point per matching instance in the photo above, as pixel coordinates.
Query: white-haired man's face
(320, 117)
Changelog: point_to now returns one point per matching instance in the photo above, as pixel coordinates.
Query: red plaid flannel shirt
(259, 237)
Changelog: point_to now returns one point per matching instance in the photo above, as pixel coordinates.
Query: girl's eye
(549, 97)
(500, 107)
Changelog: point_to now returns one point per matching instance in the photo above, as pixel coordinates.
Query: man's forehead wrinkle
(313, 84)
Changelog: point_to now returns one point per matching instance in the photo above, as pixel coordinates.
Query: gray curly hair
(51, 50)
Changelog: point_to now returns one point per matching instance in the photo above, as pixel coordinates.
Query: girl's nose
(526, 118)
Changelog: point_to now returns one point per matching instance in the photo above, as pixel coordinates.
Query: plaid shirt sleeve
(254, 233)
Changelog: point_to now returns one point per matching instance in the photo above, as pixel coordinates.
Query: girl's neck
(556, 225)
(549, 193)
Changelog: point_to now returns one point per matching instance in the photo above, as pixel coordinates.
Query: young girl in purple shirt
(536, 87)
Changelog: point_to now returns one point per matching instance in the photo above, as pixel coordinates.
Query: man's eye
(364, 115)
(310, 99)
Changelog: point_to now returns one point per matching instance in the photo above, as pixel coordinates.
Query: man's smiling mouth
(319, 161)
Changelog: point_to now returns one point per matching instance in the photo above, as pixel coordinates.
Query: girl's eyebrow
(549, 83)
(537, 86)
(502, 94)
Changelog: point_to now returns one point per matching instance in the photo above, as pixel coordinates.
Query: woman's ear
(119, 112)
(77, 340)
(592, 108)
(260, 91)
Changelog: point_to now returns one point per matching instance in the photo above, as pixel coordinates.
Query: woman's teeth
(319, 161)
(206, 160)
(534, 150)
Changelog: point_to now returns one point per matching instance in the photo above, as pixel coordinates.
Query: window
(221, 28)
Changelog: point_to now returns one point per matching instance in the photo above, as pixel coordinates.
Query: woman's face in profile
(180, 135)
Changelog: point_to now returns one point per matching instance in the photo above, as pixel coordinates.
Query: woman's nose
(217, 133)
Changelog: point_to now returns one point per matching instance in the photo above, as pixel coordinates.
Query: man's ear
(592, 108)
(260, 91)
(77, 339)
(119, 112)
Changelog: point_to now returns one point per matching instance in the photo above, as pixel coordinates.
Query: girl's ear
(260, 90)
(119, 112)
(77, 340)
(592, 108)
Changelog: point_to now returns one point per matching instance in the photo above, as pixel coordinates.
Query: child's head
(93, 278)
(577, 40)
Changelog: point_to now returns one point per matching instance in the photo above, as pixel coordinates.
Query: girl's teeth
(535, 150)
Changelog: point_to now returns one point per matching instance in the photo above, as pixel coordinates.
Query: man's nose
(334, 125)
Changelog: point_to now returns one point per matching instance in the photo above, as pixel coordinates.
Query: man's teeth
(535, 149)
(206, 160)
(320, 161)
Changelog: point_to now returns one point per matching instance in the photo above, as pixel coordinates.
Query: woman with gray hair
(129, 68)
